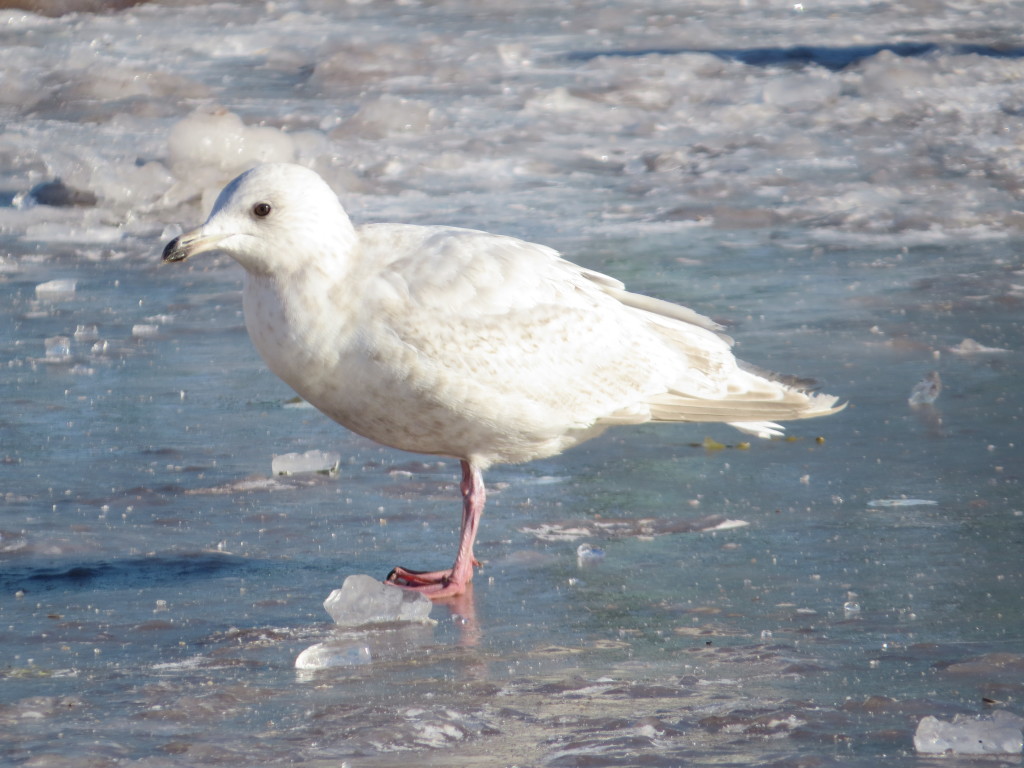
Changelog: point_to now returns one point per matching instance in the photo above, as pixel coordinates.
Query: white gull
(465, 344)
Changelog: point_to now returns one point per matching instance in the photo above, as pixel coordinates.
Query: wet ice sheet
(538, 703)
(856, 223)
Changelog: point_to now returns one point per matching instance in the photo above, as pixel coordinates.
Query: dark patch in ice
(132, 572)
(834, 58)
(58, 194)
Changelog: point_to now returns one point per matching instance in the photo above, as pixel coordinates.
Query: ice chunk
(927, 390)
(58, 348)
(324, 462)
(996, 734)
(133, 185)
(145, 330)
(889, 74)
(972, 347)
(902, 502)
(87, 333)
(56, 289)
(364, 600)
(218, 144)
(326, 655)
(349, 647)
(728, 525)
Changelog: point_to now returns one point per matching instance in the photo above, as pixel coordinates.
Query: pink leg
(435, 584)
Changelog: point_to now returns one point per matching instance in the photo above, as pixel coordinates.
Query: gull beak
(189, 244)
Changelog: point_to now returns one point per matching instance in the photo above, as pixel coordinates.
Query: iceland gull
(465, 344)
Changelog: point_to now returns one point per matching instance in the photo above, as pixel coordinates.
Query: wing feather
(543, 348)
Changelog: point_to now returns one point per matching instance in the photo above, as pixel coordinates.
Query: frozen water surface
(839, 183)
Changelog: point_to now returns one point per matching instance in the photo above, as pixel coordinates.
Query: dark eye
(261, 210)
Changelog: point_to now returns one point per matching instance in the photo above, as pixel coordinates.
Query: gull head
(273, 218)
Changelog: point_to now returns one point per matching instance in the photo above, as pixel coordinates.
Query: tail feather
(794, 405)
(716, 387)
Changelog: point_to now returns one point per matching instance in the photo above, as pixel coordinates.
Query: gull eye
(261, 210)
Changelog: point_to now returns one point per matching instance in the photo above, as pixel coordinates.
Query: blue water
(854, 225)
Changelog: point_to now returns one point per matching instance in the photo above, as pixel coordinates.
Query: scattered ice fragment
(58, 348)
(766, 634)
(193, 662)
(901, 503)
(571, 530)
(927, 390)
(364, 600)
(557, 532)
(327, 655)
(971, 347)
(324, 462)
(145, 330)
(727, 525)
(851, 608)
(545, 480)
(56, 289)
(87, 333)
(588, 553)
(998, 733)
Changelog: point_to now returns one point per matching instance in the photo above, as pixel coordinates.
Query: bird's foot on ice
(433, 584)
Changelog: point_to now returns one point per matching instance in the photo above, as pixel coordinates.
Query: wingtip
(825, 405)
